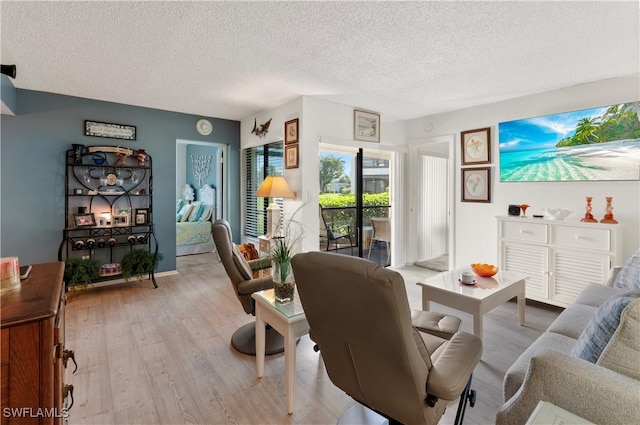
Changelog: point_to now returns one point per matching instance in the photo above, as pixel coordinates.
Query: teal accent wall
(201, 150)
(32, 153)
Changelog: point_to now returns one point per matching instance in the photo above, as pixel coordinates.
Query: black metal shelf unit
(108, 206)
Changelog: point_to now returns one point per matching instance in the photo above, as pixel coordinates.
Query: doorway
(355, 201)
(200, 165)
(433, 202)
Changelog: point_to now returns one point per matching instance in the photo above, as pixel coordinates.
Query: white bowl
(556, 213)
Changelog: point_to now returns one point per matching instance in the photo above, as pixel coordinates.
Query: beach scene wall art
(591, 144)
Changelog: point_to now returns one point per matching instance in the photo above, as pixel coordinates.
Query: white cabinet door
(529, 259)
(573, 270)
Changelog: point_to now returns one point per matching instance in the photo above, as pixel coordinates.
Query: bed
(194, 223)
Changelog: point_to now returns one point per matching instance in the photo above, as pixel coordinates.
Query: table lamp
(274, 187)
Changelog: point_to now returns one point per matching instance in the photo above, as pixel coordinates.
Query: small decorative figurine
(588, 217)
(141, 156)
(608, 217)
(122, 158)
(524, 207)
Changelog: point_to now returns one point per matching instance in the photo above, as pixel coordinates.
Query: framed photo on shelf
(476, 146)
(142, 216)
(120, 220)
(366, 126)
(476, 184)
(291, 132)
(291, 156)
(84, 220)
(122, 211)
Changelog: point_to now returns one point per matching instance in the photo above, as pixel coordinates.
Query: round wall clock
(204, 127)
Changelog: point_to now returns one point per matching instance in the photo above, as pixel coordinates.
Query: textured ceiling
(234, 59)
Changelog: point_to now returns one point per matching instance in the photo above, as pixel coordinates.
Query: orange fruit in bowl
(484, 270)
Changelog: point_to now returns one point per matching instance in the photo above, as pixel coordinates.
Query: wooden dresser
(33, 354)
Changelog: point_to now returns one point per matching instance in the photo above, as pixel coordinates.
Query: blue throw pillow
(629, 275)
(596, 335)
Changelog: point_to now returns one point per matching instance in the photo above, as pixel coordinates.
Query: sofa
(588, 361)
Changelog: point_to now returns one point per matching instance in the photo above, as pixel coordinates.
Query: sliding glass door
(354, 210)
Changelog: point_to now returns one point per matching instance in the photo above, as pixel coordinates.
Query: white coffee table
(289, 320)
(477, 299)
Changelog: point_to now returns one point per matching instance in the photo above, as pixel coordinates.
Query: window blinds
(259, 162)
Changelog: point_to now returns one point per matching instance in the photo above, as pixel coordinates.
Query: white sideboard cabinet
(560, 257)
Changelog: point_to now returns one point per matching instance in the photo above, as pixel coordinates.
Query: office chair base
(244, 340)
(361, 415)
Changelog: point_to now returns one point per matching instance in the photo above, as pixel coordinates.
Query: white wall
(325, 122)
(475, 223)
(278, 116)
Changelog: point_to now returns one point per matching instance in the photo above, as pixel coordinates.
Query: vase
(283, 283)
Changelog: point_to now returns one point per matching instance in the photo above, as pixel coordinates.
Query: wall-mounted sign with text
(111, 131)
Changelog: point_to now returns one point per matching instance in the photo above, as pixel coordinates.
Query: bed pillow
(596, 335)
(185, 212)
(629, 275)
(196, 212)
(206, 213)
(179, 205)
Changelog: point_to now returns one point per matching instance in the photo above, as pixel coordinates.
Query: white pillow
(206, 213)
(185, 212)
(196, 211)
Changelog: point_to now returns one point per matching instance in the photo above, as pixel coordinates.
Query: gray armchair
(240, 272)
(360, 318)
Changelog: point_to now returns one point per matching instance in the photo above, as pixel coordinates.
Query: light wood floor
(162, 356)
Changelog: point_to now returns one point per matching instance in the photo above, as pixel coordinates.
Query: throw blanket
(193, 232)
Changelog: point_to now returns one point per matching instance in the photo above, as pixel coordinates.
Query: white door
(433, 199)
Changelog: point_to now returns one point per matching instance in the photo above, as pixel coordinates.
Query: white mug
(466, 277)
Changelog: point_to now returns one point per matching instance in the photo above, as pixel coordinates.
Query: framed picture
(476, 146)
(120, 220)
(476, 184)
(109, 130)
(84, 220)
(142, 216)
(366, 126)
(122, 211)
(291, 156)
(291, 132)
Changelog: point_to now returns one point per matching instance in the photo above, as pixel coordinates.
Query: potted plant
(138, 262)
(80, 272)
(281, 253)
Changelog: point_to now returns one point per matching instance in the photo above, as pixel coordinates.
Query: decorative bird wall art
(261, 130)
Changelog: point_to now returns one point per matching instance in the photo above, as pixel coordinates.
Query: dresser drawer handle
(69, 354)
(67, 390)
